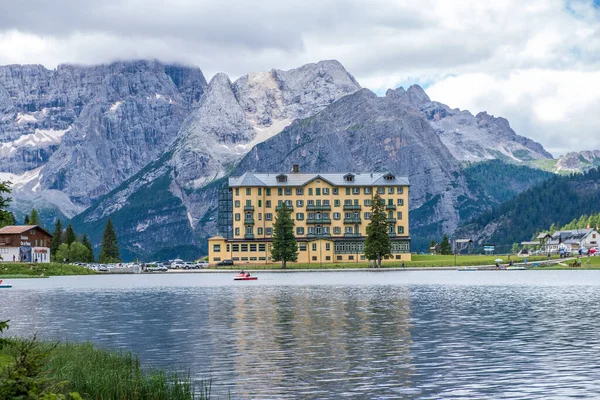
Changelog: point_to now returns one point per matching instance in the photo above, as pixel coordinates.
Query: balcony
(318, 235)
(319, 208)
(291, 208)
(392, 234)
(352, 207)
(249, 236)
(248, 221)
(390, 220)
(318, 221)
(354, 235)
(248, 208)
(390, 207)
(352, 220)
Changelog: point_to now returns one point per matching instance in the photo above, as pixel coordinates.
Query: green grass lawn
(22, 270)
(586, 263)
(418, 260)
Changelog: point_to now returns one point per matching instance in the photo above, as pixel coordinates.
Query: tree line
(65, 246)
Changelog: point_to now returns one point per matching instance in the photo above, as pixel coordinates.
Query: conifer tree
(377, 242)
(8, 219)
(285, 247)
(445, 247)
(110, 247)
(26, 220)
(70, 235)
(86, 242)
(34, 217)
(56, 240)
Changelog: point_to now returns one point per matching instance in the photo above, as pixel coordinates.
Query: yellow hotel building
(330, 212)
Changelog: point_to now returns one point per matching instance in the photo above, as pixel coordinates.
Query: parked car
(595, 251)
(202, 264)
(225, 263)
(177, 264)
(188, 265)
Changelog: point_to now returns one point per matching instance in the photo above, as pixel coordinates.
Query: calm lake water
(363, 335)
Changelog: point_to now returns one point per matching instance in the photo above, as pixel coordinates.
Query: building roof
(18, 229)
(298, 179)
(574, 236)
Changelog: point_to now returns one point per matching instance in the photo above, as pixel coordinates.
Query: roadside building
(330, 212)
(24, 243)
(571, 240)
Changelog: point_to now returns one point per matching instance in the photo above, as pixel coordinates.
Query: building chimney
(295, 168)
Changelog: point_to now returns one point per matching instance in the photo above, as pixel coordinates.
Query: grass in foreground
(23, 270)
(418, 261)
(586, 263)
(95, 374)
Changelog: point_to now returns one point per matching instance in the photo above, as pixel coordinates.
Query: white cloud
(531, 61)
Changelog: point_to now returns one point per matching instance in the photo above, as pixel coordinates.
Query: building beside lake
(330, 212)
(24, 243)
(569, 240)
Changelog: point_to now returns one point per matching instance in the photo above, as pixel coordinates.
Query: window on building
(268, 217)
(288, 191)
(235, 247)
(348, 229)
(259, 191)
(381, 190)
(347, 191)
(391, 230)
(347, 202)
(337, 215)
(401, 230)
(325, 191)
(326, 229)
(268, 204)
(299, 203)
(327, 246)
(399, 214)
(237, 191)
(355, 190)
(217, 248)
(314, 247)
(260, 203)
(299, 191)
(280, 191)
(326, 203)
(335, 191)
(339, 258)
(327, 258)
(237, 231)
(368, 190)
(337, 230)
(268, 191)
(347, 215)
(302, 246)
(318, 191)
(310, 191)
(311, 230)
(400, 190)
(368, 215)
(262, 247)
(244, 247)
(314, 258)
(248, 203)
(248, 191)
(260, 231)
(349, 178)
(282, 178)
(368, 202)
(356, 202)
(299, 230)
(390, 190)
(299, 216)
(249, 230)
(350, 258)
(336, 203)
(269, 231)
(289, 203)
(390, 214)
(237, 204)
(237, 216)
(253, 247)
(400, 202)
(310, 202)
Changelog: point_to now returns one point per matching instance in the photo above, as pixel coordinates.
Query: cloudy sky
(535, 62)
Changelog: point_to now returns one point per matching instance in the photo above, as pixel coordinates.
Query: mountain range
(149, 144)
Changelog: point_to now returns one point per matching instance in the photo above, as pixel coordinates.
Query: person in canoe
(247, 275)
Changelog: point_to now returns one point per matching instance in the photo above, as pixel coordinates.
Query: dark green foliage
(501, 181)
(88, 245)
(56, 240)
(26, 220)
(555, 201)
(445, 247)
(70, 236)
(34, 218)
(74, 252)
(284, 246)
(110, 247)
(377, 242)
(8, 219)
(4, 200)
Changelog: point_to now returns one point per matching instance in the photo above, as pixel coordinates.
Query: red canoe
(245, 278)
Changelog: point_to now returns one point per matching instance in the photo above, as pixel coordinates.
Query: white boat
(515, 268)
(4, 285)
(467, 269)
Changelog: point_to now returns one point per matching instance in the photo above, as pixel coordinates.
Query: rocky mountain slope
(472, 138)
(81, 131)
(577, 162)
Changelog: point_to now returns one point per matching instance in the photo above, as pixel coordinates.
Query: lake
(331, 335)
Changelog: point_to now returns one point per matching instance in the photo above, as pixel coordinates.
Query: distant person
(14, 258)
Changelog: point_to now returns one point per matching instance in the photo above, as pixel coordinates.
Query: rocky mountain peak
(417, 96)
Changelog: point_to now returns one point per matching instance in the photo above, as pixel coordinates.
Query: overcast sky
(535, 62)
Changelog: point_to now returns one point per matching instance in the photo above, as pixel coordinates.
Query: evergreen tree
(70, 235)
(284, 246)
(8, 219)
(86, 242)
(34, 217)
(445, 247)
(515, 248)
(26, 220)
(377, 242)
(110, 247)
(75, 252)
(56, 240)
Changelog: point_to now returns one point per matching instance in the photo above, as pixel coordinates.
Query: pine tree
(34, 218)
(70, 235)
(377, 242)
(86, 242)
(445, 247)
(285, 247)
(56, 240)
(26, 220)
(8, 219)
(110, 247)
